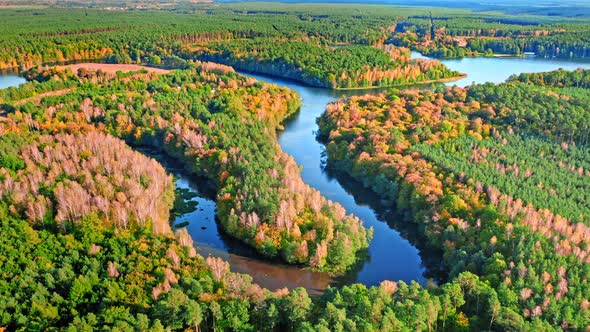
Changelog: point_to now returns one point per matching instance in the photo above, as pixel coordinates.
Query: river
(394, 252)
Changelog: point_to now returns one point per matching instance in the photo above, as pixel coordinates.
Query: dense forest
(493, 176)
(94, 267)
(316, 44)
(451, 36)
(67, 183)
(556, 79)
(511, 265)
(127, 38)
(222, 126)
(32, 37)
(325, 66)
(65, 177)
(93, 278)
(486, 177)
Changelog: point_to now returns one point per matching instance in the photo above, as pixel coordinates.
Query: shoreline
(441, 80)
(93, 63)
(372, 87)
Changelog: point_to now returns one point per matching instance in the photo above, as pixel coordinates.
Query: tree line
(452, 36)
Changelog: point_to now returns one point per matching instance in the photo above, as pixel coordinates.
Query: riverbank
(392, 254)
(354, 67)
(304, 82)
(210, 240)
(441, 80)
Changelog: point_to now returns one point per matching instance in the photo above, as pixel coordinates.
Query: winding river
(394, 253)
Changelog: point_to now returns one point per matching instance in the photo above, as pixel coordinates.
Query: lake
(498, 69)
(9, 80)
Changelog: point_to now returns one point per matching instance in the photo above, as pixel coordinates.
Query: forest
(63, 174)
(64, 177)
(557, 79)
(455, 36)
(292, 51)
(356, 51)
(140, 278)
(185, 290)
(504, 196)
(325, 66)
(222, 126)
(132, 280)
(494, 177)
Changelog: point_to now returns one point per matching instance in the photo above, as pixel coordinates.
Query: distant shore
(440, 80)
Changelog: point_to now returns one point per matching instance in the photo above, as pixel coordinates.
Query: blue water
(10, 80)
(497, 70)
